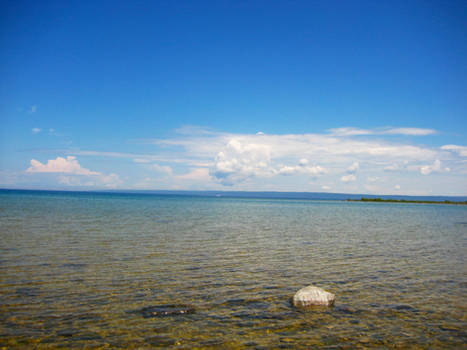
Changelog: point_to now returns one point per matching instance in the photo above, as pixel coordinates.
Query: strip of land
(363, 199)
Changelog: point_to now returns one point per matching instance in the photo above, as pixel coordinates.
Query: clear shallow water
(76, 269)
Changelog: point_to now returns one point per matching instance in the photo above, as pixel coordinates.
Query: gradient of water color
(75, 269)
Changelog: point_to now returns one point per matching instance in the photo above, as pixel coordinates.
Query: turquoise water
(77, 269)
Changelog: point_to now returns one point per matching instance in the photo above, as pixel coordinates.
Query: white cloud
(435, 167)
(246, 157)
(301, 168)
(348, 178)
(288, 170)
(397, 187)
(349, 131)
(314, 170)
(409, 131)
(240, 160)
(72, 174)
(68, 165)
(461, 150)
(353, 168)
(198, 174)
(326, 188)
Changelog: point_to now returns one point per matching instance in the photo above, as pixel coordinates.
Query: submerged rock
(312, 295)
(166, 310)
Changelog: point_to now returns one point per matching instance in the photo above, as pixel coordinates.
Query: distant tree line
(363, 199)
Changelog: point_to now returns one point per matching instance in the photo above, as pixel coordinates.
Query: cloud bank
(340, 160)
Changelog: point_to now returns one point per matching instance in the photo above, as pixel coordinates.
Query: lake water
(77, 270)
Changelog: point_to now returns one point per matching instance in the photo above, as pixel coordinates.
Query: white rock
(312, 295)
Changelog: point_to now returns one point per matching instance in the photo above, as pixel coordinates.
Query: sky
(310, 96)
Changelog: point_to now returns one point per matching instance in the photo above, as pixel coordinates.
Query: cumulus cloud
(246, 157)
(68, 165)
(348, 178)
(36, 130)
(241, 160)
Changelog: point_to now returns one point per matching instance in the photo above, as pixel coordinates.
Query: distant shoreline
(327, 196)
(363, 199)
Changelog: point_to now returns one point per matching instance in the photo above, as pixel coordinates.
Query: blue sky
(322, 96)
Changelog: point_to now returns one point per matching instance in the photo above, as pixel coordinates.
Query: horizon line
(232, 192)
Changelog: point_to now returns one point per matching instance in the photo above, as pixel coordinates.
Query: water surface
(77, 269)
